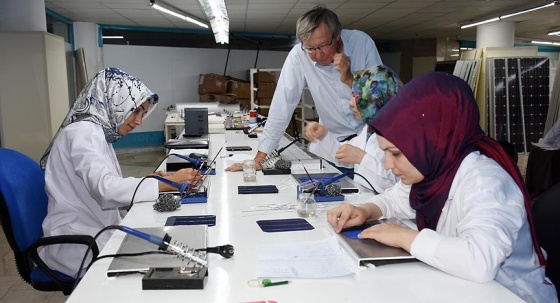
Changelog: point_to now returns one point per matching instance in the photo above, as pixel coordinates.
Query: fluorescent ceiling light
(545, 5)
(168, 9)
(113, 37)
(546, 43)
(480, 22)
(216, 12)
(554, 32)
(502, 16)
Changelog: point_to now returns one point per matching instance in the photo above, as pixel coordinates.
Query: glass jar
(306, 206)
(249, 171)
(229, 121)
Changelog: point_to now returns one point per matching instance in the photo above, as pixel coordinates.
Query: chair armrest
(61, 239)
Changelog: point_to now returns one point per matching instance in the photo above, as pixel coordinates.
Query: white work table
(236, 225)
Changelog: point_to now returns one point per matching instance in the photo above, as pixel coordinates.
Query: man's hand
(314, 131)
(342, 65)
(349, 154)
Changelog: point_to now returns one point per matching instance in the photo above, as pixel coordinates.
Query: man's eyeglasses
(311, 50)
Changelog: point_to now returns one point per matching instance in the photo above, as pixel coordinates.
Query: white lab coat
(482, 233)
(85, 188)
(372, 166)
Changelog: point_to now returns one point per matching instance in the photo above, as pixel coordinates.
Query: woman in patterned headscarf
(83, 178)
(372, 88)
(466, 193)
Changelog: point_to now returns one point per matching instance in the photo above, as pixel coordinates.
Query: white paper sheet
(315, 259)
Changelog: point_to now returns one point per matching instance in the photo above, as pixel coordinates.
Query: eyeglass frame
(311, 50)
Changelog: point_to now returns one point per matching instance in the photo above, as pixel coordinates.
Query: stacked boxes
(265, 83)
(242, 91)
(214, 88)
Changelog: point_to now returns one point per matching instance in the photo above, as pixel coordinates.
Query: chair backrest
(546, 211)
(23, 199)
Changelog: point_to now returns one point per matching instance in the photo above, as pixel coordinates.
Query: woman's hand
(349, 154)
(183, 175)
(186, 174)
(314, 131)
(160, 173)
(390, 234)
(346, 215)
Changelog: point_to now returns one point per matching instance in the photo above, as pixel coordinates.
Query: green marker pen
(267, 283)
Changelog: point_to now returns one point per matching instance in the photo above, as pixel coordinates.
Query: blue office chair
(23, 207)
(546, 211)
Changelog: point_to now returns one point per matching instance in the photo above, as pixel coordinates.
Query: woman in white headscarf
(83, 178)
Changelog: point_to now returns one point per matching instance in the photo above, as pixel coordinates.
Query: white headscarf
(107, 100)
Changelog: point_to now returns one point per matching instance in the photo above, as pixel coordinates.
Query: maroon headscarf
(434, 122)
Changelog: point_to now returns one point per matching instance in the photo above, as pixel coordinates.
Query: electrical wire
(161, 162)
(135, 190)
(110, 227)
(355, 173)
(372, 188)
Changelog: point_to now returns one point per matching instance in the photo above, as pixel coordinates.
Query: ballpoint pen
(226, 156)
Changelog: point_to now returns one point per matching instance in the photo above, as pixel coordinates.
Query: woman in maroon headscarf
(466, 194)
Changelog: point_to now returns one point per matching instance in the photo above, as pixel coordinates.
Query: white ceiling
(381, 19)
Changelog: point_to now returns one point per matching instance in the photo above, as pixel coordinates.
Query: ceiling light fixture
(113, 37)
(546, 43)
(480, 22)
(554, 32)
(216, 12)
(171, 10)
(505, 15)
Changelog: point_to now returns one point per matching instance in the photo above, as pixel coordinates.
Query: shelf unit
(305, 111)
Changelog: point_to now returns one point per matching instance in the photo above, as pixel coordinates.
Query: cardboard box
(241, 89)
(223, 99)
(290, 129)
(263, 101)
(245, 103)
(265, 90)
(265, 77)
(212, 84)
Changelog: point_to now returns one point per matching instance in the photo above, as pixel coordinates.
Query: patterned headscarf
(434, 122)
(107, 100)
(372, 88)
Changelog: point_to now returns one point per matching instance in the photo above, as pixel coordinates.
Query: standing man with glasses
(323, 61)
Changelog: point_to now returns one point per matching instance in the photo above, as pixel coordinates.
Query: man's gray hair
(309, 21)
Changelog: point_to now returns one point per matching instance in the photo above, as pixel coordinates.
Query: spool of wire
(282, 164)
(270, 161)
(333, 190)
(167, 202)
